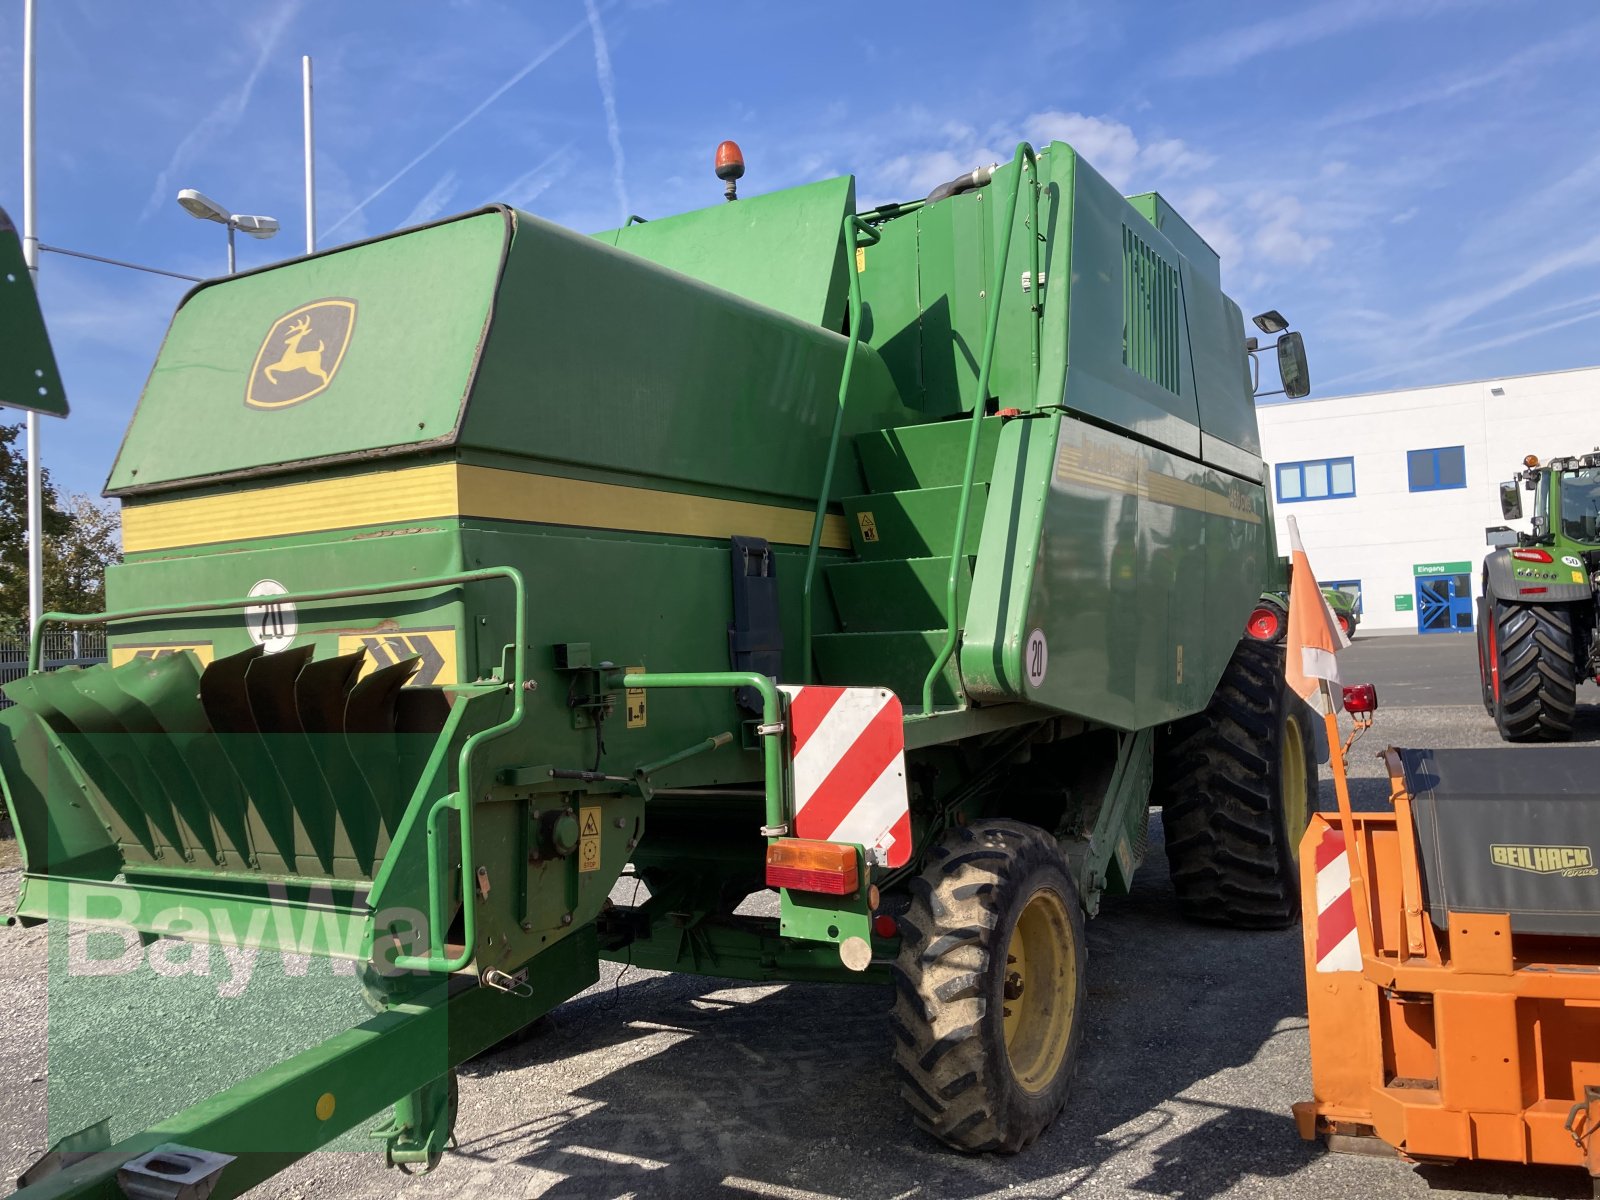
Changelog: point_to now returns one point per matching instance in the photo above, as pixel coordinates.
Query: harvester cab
(893, 561)
(1536, 627)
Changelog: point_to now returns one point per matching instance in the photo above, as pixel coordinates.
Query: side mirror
(1500, 536)
(1510, 501)
(1292, 366)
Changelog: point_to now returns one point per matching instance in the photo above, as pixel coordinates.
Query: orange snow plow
(1452, 956)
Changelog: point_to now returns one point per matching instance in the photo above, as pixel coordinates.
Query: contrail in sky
(225, 115)
(543, 57)
(608, 94)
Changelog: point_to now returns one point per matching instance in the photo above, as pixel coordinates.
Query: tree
(80, 541)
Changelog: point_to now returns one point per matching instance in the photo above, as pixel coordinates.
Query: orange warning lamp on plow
(1453, 961)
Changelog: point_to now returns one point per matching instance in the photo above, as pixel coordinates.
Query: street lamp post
(207, 209)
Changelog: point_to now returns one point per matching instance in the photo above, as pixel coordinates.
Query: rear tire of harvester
(1536, 651)
(989, 987)
(1237, 784)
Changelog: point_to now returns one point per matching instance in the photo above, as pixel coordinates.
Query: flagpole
(30, 252)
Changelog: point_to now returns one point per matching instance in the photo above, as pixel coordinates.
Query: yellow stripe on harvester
(1105, 469)
(451, 490)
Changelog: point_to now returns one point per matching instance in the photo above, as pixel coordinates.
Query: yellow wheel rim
(1292, 782)
(1039, 991)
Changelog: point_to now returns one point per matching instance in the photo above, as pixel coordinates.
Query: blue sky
(1409, 182)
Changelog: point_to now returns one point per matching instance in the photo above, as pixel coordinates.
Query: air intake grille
(1149, 313)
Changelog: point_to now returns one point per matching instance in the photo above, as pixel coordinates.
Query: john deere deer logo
(301, 353)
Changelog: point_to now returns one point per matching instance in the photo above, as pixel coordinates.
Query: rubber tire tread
(1485, 682)
(1538, 672)
(1230, 854)
(949, 1041)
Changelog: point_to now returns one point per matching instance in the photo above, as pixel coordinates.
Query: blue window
(1437, 469)
(1319, 479)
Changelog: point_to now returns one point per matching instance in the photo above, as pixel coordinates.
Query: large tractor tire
(1237, 784)
(1488, 668)
(1534, 677)
(989, 987)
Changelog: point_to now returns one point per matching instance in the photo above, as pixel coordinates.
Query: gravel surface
(674, 1085)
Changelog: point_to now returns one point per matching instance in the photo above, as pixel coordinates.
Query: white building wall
(1385, 530)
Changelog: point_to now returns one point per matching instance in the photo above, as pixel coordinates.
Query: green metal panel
(1098, 381)
(898, 593)
(1197, 252)
(922, 456)
(28, 375)
(891, 292)
(782, 250)
(1221, 371)
(911, 524)
(393, 336)
(1128, 560)
(680, 380)
(953, 276)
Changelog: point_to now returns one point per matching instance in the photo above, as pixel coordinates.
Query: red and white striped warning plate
(847, 746)
(1338, 949)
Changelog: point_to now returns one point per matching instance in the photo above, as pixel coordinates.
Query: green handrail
(771, 720)
(854, 226)
(434, 960)
(952, 582)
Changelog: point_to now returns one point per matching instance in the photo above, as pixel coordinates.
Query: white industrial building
(1393, 490)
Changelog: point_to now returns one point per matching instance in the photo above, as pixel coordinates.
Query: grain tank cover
(365, 350)
(780, 249)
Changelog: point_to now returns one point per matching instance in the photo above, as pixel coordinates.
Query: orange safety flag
(1314, 636)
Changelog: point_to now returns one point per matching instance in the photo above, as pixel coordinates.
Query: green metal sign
(1402, 603)
(28, 376)
(1449, 568)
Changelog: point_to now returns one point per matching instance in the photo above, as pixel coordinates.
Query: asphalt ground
(653, 1085)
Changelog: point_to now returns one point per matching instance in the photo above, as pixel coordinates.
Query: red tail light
(885, 926)
(1361, 698)
(808, 866)
(1532, 555)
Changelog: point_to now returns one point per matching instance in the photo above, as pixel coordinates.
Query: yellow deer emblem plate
(301, 353)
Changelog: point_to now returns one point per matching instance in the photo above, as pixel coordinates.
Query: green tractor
(890, 564)
(1536, 610)
(1269, 619)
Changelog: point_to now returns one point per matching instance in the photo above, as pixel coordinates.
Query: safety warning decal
(869, 527)
(636, 712)
(1338, 948)
(124, 654)
(848, 770)
(589, 838)
(436, 648)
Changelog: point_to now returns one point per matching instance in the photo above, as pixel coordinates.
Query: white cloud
(434, 200)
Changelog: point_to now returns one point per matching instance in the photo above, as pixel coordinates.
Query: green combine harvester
(1536, 606)
(896, 561)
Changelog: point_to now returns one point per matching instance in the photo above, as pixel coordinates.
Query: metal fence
(62, 648)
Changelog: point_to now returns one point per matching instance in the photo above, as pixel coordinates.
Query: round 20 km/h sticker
(272, 626)
(1036, 658)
